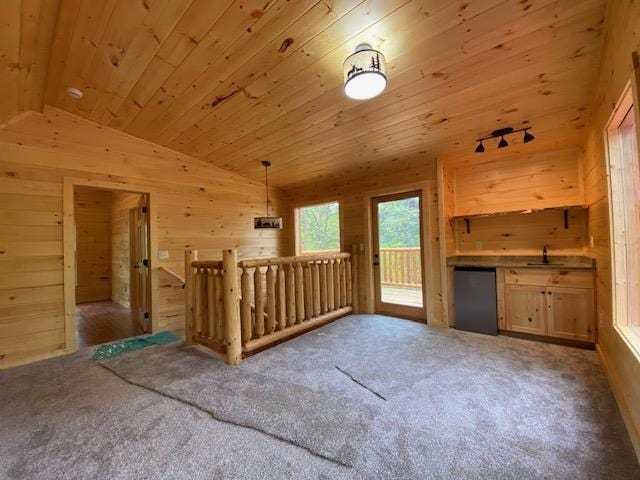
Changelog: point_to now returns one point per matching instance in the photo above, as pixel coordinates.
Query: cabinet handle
(549, 293)
(542, 292)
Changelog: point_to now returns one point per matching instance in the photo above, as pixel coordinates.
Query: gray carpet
(328, 426)
(456, 406)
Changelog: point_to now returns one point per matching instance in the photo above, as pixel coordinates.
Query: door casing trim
(425, 187)
(69, 242)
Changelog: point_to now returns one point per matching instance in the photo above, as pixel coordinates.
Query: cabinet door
(525, 309)
(570, 313)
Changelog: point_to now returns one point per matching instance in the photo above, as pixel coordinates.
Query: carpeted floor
(366, 397)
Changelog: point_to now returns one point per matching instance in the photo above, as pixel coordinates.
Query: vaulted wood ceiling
(236, 82)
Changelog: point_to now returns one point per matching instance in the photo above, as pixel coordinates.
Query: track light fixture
(501, 134)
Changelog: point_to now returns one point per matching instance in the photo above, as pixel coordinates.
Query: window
(624, 195)
(318, 229)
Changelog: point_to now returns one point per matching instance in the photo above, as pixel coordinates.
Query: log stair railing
(239, 308)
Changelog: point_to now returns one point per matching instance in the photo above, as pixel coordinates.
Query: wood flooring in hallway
(104, 321)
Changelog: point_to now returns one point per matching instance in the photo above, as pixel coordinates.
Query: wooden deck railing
(401, 267)
(272, 300)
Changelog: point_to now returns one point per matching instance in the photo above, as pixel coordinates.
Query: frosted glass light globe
(365, 85)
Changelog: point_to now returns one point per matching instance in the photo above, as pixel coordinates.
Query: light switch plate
(163, 254)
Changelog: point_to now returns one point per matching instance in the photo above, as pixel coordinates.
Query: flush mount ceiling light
(267, 222)
(501, 134)
(74, 93)
(365, 73)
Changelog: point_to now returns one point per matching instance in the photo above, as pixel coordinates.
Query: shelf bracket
(467, 222)
(566, 218)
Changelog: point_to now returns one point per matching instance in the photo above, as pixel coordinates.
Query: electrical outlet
(163, 255)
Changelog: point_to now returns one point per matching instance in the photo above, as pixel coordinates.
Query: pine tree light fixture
(365, 73)
(267, 222)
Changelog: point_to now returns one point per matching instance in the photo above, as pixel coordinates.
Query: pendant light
(267, 222)
(365, 73)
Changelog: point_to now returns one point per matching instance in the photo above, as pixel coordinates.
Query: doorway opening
(112, 271)
(398, 255)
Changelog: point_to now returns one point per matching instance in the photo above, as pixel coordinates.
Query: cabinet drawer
(546, 277)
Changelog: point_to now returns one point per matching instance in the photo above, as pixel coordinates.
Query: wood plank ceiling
(236, 82)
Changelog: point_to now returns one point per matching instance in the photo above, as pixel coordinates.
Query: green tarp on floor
(130, 344)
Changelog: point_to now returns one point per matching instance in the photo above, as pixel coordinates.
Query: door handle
(376, 263)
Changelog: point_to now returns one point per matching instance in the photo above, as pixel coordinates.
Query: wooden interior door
(398, 255)
(526, 309)
(139, 264)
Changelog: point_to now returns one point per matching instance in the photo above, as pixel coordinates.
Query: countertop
(526, 261)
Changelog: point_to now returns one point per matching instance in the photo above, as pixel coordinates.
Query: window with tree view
(318, 228)
(624, 177)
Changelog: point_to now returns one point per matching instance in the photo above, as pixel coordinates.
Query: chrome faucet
(545, 255)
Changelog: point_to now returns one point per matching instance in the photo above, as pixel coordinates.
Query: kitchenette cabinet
(547, 301)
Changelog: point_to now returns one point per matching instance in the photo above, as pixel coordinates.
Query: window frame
(627, 103)
(296, 222)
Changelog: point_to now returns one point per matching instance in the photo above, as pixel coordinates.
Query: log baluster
(330, 286)
(348, 284)
(211, 310)
(271, 300)
(198, 301)
(323, 287)
(291, 295)
(299, 279)
(219, 305)
(258, 293)
(336, 283)
(282, 299)
(343, 282)
(245, 307)
(308, 292)
(190, 256)
(315, 280)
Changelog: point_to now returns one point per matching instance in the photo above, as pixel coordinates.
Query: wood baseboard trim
(632, 428)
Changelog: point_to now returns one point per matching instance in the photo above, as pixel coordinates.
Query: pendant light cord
(266, 185)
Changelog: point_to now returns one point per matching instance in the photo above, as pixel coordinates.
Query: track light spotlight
(528, 137)
(480, 148)
(503, 143)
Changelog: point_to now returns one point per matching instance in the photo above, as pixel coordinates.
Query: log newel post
(231, 306)
(189, 285)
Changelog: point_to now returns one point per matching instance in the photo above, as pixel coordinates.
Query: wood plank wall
(519, 180)
(198, 206)
(524, 234)
(623, 366)
(93, 245)
(121, 203)
(355, 220)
